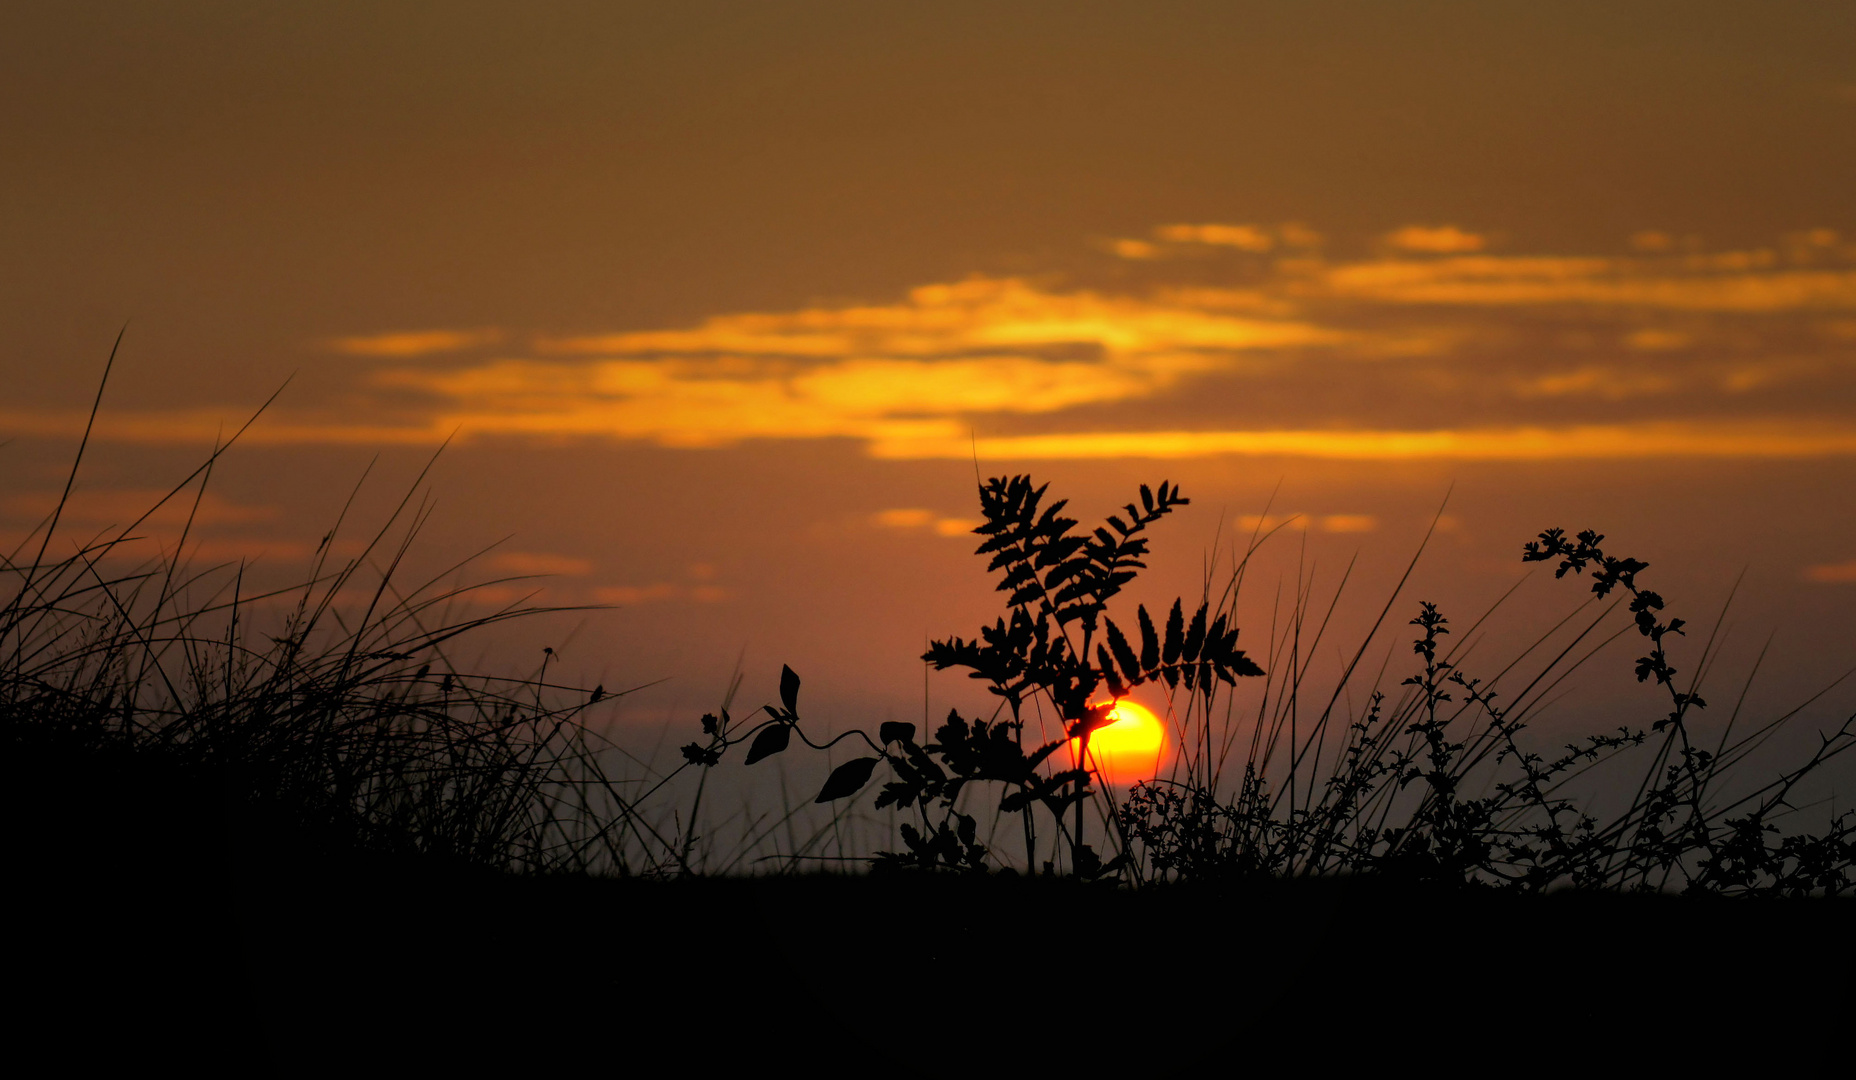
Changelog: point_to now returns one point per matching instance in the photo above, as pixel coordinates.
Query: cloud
(1652, 339)
(540, 562)
(658, 593)
(1458, 354)
(1608, 383)
(1517, 281)
(406, 344)
(1621, 441)
(205, 427)
(103, 508)
(1832, 573)
(916, 518)
(221, 549)
(957, 526)
(977, 315)
(1241, 237)
(100, 515)
(1435, 239)
(1259, 524)
(629, 595)
(1349, 523)
(1134, 249)
(903, 519)
(918, 369)
(1265, 523)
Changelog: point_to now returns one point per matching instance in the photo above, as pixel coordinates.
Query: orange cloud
(1497, 281)
(916, 518)
(1435, 239)
(661, 592)
(214, 550)
(628, 595)
(1610, 384)
(1263, 523)
(956, 526)
(1832, 573)
(909, 370)
(1134, 249)
(540, 562)
(121, 506)
(1242, 237)
(415, 343)
(1620, 441)
(903, 519)
(947, 320)
(204, 427)
(1650, 339)
(1349, 523)
(1332, 523)
(1375, 342)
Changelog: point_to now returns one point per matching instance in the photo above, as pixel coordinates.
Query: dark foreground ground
(128, 948)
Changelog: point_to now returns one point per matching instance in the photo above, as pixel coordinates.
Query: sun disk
(1129, 748)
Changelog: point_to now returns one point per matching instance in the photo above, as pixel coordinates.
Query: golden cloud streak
(1667, 440)
(1438, 239)
(1498, 281)
(1241, 237)
(204, 426)
(415, 343)
(1832, 573)
(912, 379)
(540, 562)
(948, 438)
(976, 315)
(120, 506)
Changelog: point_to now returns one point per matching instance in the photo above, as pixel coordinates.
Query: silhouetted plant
(1059, 584)
(1394, 802)
(1392, 798)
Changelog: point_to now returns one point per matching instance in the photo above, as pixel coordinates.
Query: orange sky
(722, 300)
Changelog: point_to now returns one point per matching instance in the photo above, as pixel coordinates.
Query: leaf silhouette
(789, 690)
(847, 779)
(896, 731)
(1195, 637)
(1150, 642)
(1124, 654)
(1174, 624)
(1116, 687)
(771, 740)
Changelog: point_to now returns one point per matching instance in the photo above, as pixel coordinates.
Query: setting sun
(1129, 748)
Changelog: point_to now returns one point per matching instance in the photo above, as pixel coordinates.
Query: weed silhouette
(1390, 799)
(1059, 584)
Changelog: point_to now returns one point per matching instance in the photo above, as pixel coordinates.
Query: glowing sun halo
(1129, 748)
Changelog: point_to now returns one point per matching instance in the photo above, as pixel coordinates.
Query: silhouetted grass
(321, 718)
(328, 716)
(436, 839)
(1435, 785)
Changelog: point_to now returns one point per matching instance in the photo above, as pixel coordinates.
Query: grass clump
(325, 717)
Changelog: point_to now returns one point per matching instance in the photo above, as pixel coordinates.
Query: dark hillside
(143, 940)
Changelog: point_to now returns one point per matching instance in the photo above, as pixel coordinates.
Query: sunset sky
(719, 303)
